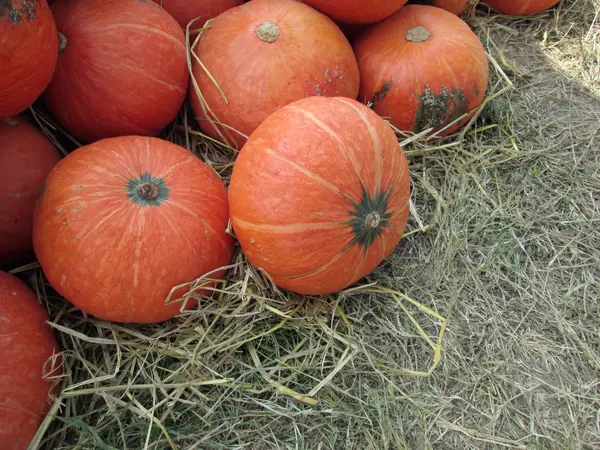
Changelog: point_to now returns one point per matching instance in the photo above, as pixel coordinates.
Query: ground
(503, 245)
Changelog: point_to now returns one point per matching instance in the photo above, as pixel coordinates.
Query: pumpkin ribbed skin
(357, 11)
(26, 158)
(319, 194)
(26, 344)
(186, 10)
(265, 55)
(423, 67)
(124, 220)
(28, 52)
(521, 7)
(454, 6)
(122, 71)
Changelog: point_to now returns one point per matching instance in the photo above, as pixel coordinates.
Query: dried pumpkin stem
(268, 32)
(417, 34)
(62, 42)
(147, 191)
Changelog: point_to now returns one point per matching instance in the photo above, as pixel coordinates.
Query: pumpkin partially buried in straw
(319, 194)
(521, 7)
(28, 52)
(27, 347)
(422, 68)
(124, 220)
(261, 56)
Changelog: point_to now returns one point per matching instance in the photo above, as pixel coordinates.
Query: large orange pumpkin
(26, 346)
(121, 68)
(319, 194)
(521, 7)
(454, 6)
(186, 10)
(26, 158)
(423, 67)
(264, 55)
(124, 220)
(357, 11)
(28, 51)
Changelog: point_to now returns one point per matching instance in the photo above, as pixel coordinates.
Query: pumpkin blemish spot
(417, 34)
(438, 110)
(28, 9)
(381, 94)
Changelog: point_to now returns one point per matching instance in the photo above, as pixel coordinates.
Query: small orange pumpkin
(357, 11)
(26, 344)
(186, 10)
(521, 7)
(124, 220)
(423, 67)
(28, 52)
(454, 6)
(264, 55)
(26, 158)
(319, 194)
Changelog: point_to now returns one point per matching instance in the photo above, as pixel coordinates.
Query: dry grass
(504, 243)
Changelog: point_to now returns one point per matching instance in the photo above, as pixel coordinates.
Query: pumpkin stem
(268, 32)
(372, 220)
(417, 34)
(62, 42)
(147, 191)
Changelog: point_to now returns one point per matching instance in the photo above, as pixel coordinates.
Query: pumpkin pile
(125, 224)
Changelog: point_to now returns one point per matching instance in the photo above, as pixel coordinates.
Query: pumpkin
(26, 346)
(454, 6)
(264, 55)
(28, 52)
(319, 194)
(357, 11)
(121, 68)
(521, 7)
(423, 67)
(124, 220)
(26, 158)
(185, 11)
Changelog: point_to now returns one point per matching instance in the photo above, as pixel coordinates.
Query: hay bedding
(502, 253)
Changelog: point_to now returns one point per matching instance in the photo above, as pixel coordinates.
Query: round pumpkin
(357, 11)
(319, 194)
(28, 52)
(26, 346)
(26, 158)
(185, 11)
(264, 55)
(521, 7)
(422, 68)
(124, 220)
(454, 6)
(121, 68)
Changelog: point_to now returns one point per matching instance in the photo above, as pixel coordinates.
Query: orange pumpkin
(185, 11)
(454, 6)
(423, 67)
(521, 7)
(121, 68)
(124, 220)
(26, 158)
(357, 11)
(319, 194)
(28, 51)
(264, 55)
(26, 346)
